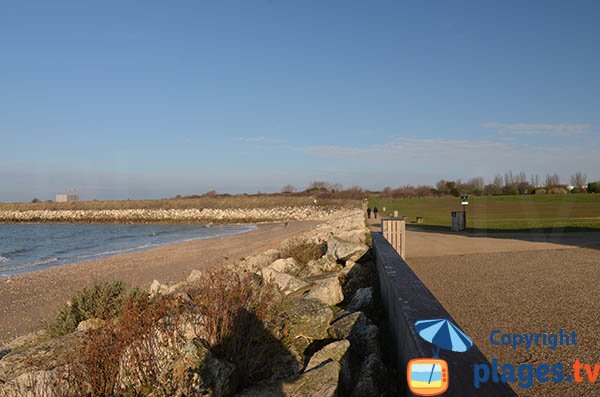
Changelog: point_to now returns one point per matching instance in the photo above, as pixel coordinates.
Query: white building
(66, 198)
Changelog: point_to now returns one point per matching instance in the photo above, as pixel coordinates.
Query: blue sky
(150, 99)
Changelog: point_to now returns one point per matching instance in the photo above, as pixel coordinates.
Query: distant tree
(593, 187)
(36, 200)
(491, 189)
(211, 193)
(477, 183)
(578, 180)
(288, 189)
(535, 180)
(552, 180)
(441, 187)
(498, 181)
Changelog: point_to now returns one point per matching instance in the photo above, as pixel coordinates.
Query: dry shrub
(305, 251)
(237, 313)
(127, 349)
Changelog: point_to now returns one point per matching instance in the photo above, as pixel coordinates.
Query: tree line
(510, 183)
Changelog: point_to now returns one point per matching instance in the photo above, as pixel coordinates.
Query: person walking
(375, 211)
(369, 213)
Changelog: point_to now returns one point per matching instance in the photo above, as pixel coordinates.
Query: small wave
(3, 259)
(115, 252)
(41, 263)
(15, 252)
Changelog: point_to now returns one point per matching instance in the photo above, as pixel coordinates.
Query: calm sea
(26, 248)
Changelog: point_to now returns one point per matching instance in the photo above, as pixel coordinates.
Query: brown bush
(98, 365)
(237, 313)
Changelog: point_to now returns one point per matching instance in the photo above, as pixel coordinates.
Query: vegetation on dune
(104, 300)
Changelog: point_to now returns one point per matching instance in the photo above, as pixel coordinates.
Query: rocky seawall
(300, 320)
(205, 215)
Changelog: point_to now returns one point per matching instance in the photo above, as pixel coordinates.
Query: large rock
(257, 262)
(325, 264)
(36, 367)
(321, 381)
(372, 378)
(334, 351)
(327, 290)
(90, 324)
(305, 320)
(156, 288)
(289, 266)
(345, 250)
(362, 300)
(285, 282)
(198, 372)
(359, 330)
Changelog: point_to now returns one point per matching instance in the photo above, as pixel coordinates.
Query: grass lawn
(549, 212)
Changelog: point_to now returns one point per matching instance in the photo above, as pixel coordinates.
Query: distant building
(66, 198)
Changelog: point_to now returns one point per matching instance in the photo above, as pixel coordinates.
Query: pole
(465, 216)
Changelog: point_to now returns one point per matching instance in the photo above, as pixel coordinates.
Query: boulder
(334, 351)
(359, 330)
(325, 264)
(199, 372)
(320, 381)
(195, 275)
(327, 290)
(286, 282)
(362, 300)
(372, 378)
(156, 288)
(345, 250)
(305, 320)
(90, 324)
(257, 262)
(289, 266)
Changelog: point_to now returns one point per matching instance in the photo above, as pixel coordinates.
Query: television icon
(427, 376)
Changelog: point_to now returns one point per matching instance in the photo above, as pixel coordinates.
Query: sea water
(29, 247)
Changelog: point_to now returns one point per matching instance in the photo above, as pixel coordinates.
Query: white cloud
(249, 138)
(540, 129)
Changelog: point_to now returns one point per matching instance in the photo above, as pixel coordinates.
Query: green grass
(549, 212)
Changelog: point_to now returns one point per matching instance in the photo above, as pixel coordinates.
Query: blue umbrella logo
(443, 334)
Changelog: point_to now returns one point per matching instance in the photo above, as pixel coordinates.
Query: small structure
(459, 221)
(394, 231)
(66, 198)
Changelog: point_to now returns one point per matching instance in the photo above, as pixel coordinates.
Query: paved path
(427, 243)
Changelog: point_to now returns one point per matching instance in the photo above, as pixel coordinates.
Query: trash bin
(458, 221)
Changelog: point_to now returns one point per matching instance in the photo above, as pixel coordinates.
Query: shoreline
(99, 256)
(30, 300)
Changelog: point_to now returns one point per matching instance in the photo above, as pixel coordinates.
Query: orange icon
(427, 376)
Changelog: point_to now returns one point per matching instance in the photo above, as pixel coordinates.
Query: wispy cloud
(460, 157)
(540, 129)
(249, 139)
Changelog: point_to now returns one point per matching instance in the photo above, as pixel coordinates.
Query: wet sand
(29, 301)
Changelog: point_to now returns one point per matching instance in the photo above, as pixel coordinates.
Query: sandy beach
(29, 301)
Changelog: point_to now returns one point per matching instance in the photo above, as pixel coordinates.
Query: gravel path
(524, 292)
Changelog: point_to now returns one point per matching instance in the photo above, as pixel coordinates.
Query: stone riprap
(205, 215)
(328, 350)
